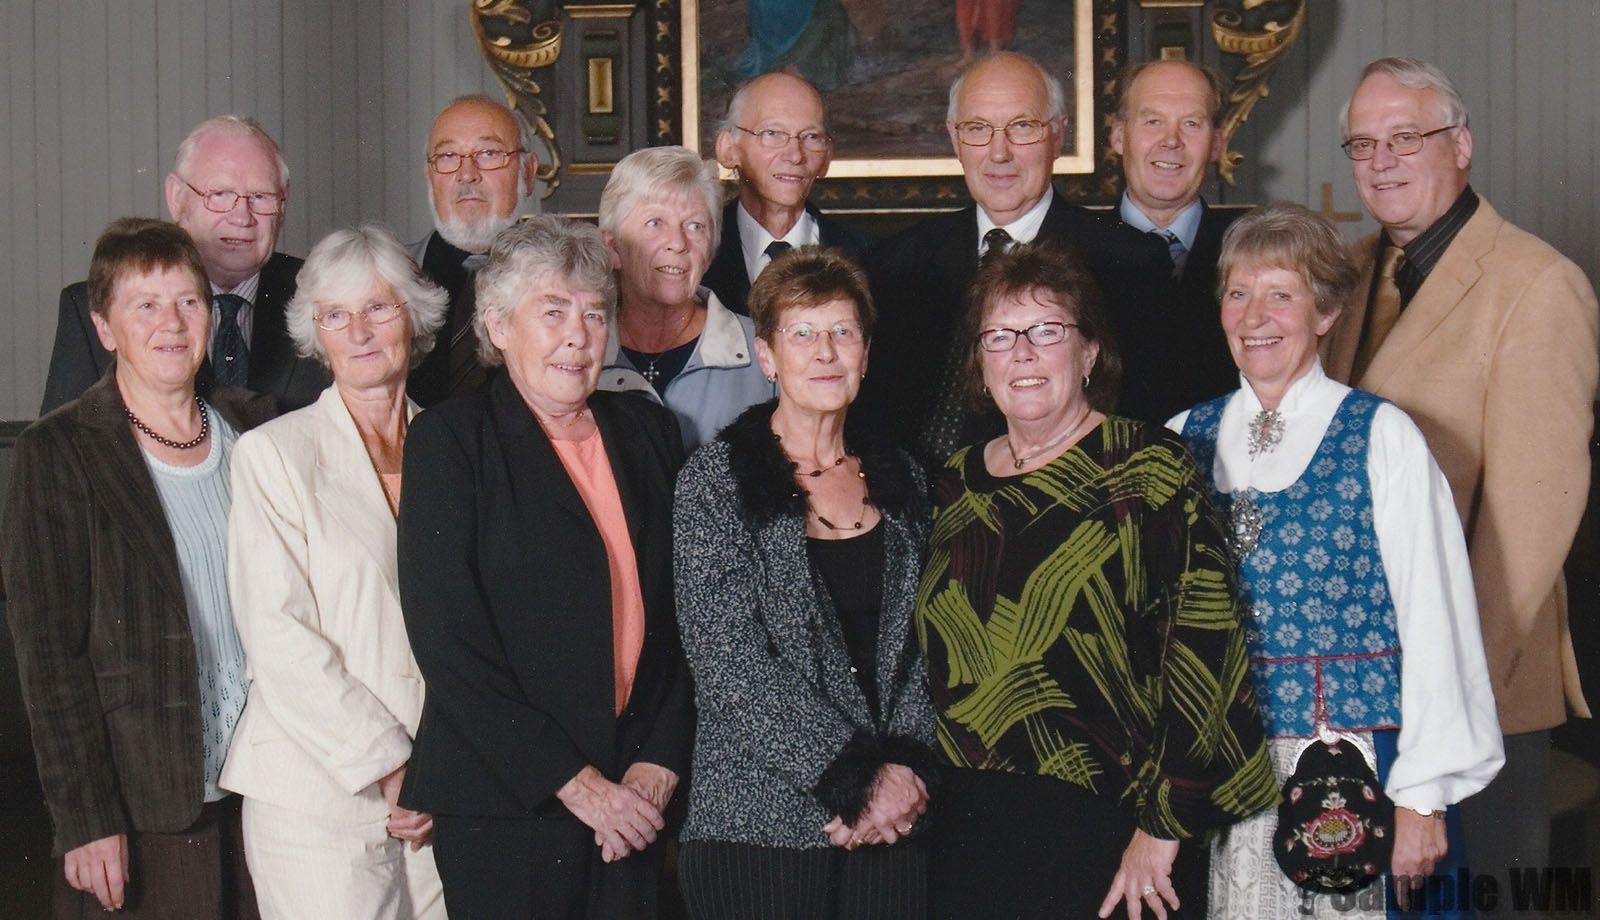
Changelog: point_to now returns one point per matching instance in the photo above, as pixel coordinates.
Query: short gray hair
(528, 251)
(231, 126)
(1055, 96)
(525, 135)
(654, 173)
(1412, 74)
(1292, 237)
(346, 263)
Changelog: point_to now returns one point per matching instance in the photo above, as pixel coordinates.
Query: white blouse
(1449, 745)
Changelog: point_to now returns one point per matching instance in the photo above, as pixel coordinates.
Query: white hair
(345, 264)
(230, 126)
(475, 236)
(1055, 95)
(1413, 74)
(654, 173)
(530, 251)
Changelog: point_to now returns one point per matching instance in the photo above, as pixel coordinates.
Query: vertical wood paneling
(399, 152)
(368, 116)
(29, 311)
(49, 164)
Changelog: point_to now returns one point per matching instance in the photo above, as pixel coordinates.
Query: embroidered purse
(1335, 826)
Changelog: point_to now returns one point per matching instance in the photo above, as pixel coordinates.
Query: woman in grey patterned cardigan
(797, 553)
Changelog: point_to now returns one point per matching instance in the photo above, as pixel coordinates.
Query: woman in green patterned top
(1085, 654)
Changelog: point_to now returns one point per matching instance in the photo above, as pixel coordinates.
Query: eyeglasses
(1400, 143)
(1041, 335)
(772, 138)
(261, 204)
(487, 160)
(1023, 131)
(808, 335)
(376, 314)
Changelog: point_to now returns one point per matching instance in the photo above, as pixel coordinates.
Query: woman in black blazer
(535, 576)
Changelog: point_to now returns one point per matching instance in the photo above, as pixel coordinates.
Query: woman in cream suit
(335, 698)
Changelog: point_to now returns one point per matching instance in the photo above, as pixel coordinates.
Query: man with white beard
(480, 169)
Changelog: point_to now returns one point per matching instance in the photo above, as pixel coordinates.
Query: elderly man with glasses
(775, 139)
(1007, 123)
(1486, 336)
(480, 166)
(228, 189)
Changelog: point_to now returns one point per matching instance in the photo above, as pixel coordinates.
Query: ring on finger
(904, 828)
(1147, 891)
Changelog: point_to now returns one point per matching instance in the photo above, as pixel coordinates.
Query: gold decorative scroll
(1263, 51)
(515, 47)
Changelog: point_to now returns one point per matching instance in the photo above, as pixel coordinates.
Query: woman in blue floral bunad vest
(1354, 570)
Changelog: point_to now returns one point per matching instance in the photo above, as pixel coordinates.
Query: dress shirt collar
(1308, 390)
(248, 288)
(754, 238)
(1186, 226)
(1424, 252)
(1024, 228)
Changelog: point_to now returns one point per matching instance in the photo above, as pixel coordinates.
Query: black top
(660, 367)
(852, 569)
(1424, 252)
(729, 278)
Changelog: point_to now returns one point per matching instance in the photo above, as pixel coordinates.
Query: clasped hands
(625, 816)
(898, 798)
(413, 827)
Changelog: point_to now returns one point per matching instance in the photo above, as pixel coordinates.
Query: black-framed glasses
(221, 201)
(1022, 131)
(376, 314)
(487, 160)
(1400, 143)
(1041, 335)
(808, 335)
(772, 138)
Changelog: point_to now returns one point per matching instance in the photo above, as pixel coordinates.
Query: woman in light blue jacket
(673, 340)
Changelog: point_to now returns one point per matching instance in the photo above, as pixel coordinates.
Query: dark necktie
(941, 431)
(230, 356)
(1175, 249)
(466, 374)
(776, 248)
(996, 240)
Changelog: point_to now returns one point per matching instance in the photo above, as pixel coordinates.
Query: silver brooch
(1246, 518)
(1266, 432)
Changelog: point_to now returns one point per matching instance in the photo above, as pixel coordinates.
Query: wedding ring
(904, 829)
(1148, 891)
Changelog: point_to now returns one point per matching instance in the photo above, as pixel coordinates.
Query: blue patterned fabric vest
(1322, 623)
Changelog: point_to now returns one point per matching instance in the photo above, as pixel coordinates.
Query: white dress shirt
(1024, 228)
(754, 238)
(1449, 745)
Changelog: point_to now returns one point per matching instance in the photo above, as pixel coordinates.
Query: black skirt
(1009, 845)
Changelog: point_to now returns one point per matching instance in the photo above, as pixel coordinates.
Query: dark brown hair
(140, 244)
(1055, 275)
(809, 277)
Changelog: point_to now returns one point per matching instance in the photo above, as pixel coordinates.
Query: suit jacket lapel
(348, 486)
(1445, 288)
(528, 451)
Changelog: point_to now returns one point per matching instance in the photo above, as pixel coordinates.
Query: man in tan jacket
(1487, 337)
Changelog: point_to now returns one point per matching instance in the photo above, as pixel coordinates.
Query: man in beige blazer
(1493, 353)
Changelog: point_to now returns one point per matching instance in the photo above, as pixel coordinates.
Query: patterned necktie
(1175, 249)
(466, 373)
(1385, 311)
(230, 355)
(775, 249)
(996, 240)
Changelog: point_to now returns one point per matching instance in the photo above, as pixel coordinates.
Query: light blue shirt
(1186, 226)
(196, 501)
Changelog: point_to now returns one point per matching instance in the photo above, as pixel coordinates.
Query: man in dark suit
(1007, 124)
(228, 188)
(1166, 132)
(480, 169)
(775, 138)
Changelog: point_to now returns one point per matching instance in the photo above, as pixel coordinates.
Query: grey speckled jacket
(785, 739)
